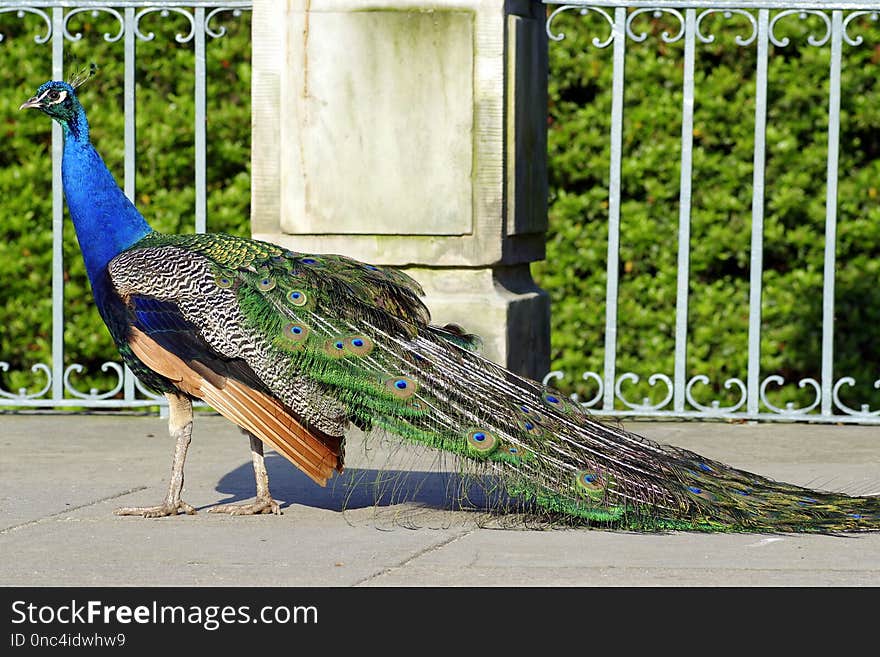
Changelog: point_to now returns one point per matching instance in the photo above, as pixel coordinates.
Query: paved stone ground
(62, 475)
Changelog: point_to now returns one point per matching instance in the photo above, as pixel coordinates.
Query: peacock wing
(194, 322)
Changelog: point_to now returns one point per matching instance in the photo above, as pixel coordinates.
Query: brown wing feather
(316, 454)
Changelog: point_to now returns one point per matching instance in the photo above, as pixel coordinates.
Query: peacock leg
(264, 502)
(180, 421)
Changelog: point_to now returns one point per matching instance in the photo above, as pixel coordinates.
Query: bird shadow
(358, 488)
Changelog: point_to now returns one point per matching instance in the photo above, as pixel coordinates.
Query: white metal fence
(761, 18)
(757, 23)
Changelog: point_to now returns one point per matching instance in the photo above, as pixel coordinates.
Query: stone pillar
(412, 133)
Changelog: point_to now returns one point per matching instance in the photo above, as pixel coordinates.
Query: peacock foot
(260, 505)
(160, 511)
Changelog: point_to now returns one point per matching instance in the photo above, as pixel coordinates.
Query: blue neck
(106, 222)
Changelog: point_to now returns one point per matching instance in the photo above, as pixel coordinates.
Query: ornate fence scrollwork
(728, 14)
(149, 394)
(21, 12)
(646, 404)
(164, 12)
(865, 411)
(557, 375)
(715, 406)
(93, 394)
(858, 40)
(22, 392)
(94, 12)
(583, 11)
(221, 30)
(790, 407)
(656, 13)
(803, 14)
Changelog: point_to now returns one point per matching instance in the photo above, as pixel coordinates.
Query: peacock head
(58, 99)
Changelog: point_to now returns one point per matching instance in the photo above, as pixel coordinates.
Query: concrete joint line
(413, 557)
(128, 491)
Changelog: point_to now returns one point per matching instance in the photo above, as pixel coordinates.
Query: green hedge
(574, 272)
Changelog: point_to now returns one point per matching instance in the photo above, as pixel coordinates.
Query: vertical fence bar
(57, 218)
(684, 211)
(201, 209)
(130, 144)
(756, 267)
(831, 213)
(614, 205)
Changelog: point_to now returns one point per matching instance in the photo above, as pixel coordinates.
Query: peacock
(295, 348)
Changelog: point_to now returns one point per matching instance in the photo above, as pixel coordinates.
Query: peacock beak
(31, 103)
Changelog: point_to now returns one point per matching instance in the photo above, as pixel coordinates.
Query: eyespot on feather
(297, 297)
(266, 284)
(481, 442)
(531, 415)
(531, 427)
(224, 280)
(704, 494)
(554, 400)
(511, 451)
(589, 484)
(359, 345)
(401, 387)
(295, 332)
(335, 348)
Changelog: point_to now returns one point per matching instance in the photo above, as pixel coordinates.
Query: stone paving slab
(61, 476)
